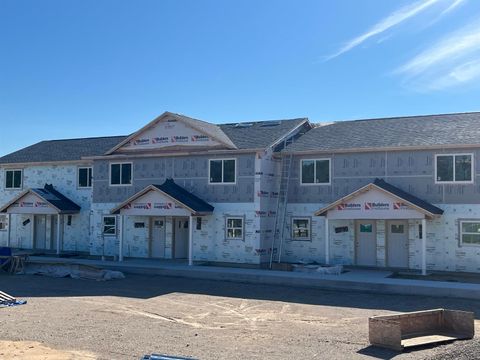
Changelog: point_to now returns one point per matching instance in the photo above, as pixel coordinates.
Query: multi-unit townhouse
(178, 188)
(389, 193)
(397, 192)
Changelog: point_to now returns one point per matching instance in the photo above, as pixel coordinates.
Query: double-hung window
(13, 179)
(454, 168)
(234, 228)
(84, 177)
(121, 174)
(301, 228)
(109, 225)
(315, 171)
(470, 232)
(222, 171)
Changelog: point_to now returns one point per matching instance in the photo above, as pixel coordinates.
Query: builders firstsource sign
(374, 204)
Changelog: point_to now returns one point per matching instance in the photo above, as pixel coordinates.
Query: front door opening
(366, 243)
(40, 232)
(157, 245)
(397, 244)
(180, 242)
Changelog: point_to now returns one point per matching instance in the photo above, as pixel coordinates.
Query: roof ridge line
(84, 138)
(399, 117)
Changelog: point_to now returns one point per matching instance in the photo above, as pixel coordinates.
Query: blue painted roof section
(184, 196)
(408, 197)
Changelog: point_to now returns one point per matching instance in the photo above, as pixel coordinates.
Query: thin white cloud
(390, 21)
(452, 60)
(454, 5)
(460, 74)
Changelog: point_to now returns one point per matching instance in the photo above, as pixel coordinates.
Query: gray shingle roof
(62, 150)
(408, 197)
(48, 193)
(57, 199)
(259, 134)
(185, 197)
(428, 130)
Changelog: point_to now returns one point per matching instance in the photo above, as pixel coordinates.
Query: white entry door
(397, 244)
(366, 243)
(157, 246)
(40, 232)
(181, 233)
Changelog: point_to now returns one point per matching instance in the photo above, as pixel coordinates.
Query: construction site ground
(204, 319)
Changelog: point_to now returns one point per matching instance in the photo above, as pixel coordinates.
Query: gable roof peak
(212, 130)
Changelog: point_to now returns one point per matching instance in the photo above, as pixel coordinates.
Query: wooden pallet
(14, 263)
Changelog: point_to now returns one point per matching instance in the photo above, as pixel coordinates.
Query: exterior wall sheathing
(444, 249)
(74, 237)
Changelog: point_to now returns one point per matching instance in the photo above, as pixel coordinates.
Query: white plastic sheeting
(75, 271)
(327, 270)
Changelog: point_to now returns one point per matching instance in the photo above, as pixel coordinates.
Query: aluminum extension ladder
(281, 213)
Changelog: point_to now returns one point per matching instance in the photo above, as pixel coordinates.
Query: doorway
(157, 244)
(40, 232)
(181, 233)
(397, 244)
(53, 231)
(366, 243)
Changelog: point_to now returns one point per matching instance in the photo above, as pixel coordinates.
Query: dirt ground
(126, 319)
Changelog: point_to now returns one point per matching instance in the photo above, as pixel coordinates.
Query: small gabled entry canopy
(380, 200)
(42, 201)
(168, 199)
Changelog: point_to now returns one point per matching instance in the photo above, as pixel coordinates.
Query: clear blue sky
(107, 67)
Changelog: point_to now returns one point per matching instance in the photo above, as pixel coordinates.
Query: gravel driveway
(125, 319)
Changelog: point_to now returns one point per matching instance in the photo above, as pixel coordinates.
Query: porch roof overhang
(404, 200)
(44, 200)
(171, 191)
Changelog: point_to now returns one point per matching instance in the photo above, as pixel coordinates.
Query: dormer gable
(171, 132)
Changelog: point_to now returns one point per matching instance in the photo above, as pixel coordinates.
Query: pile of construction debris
(8, 300)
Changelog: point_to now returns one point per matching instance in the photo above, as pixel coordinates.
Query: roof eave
(380, 149)
(174, 154)
(82, 161)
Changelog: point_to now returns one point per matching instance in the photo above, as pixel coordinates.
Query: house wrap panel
(190, 172)
(412, 171)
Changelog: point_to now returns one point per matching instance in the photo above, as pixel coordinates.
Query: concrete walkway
(375, 281)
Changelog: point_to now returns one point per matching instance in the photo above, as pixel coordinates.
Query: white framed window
(234, 228)
(222, 171)
(109, 225)
(301, 228)
(315, 171)
(3, 223)
(13, 179)
(454, 168)
(121, 174)
(84, 177)
(469, 232)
